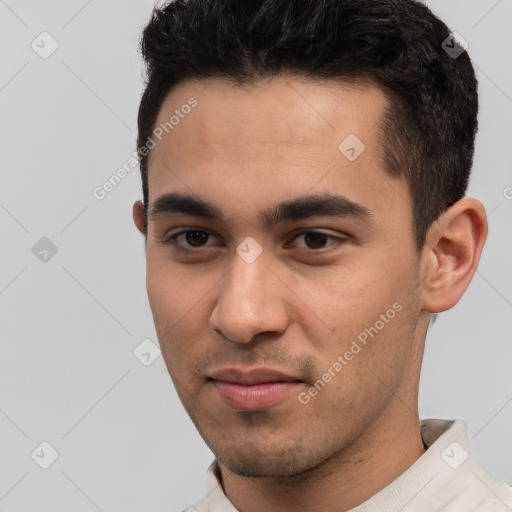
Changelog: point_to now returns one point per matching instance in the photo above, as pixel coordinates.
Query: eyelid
(321, 232)
(171, 238)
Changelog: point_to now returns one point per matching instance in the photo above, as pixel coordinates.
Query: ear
(139, 216)
(451, 253)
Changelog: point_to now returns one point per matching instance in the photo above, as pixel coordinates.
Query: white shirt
(446, 478)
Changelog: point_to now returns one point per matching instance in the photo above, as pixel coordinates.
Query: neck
(387, 448)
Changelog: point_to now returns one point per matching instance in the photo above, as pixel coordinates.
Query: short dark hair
(429, 130)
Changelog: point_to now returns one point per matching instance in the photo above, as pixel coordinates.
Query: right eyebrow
(182, 204)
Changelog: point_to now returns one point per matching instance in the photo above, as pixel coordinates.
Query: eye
(189, 239)
(316, 240)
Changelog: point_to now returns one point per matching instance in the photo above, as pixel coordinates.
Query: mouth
(256, 389)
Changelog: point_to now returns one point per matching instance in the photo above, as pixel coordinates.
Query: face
(304, 264)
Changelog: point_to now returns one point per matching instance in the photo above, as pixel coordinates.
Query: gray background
(70, 324)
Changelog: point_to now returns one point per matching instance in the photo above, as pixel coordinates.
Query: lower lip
(256, 396)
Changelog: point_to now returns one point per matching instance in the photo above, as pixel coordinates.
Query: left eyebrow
(300, 208)
(324, 205)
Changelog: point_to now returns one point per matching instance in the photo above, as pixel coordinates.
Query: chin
(255, 461)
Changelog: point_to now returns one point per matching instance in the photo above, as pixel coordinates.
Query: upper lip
(253, 376)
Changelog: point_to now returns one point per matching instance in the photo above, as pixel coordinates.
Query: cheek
(368, 303)
(349, 298)
(172, 289)
(169, 297)
(179, 303)
(173, 318)
(358, 378)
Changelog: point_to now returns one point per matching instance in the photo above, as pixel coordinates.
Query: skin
(302, 302)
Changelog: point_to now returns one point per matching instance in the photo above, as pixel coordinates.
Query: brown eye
(190, 239)
(315, 240)
(196, 238)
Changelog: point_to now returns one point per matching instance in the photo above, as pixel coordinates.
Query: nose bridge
(246, 285)
(248, 302)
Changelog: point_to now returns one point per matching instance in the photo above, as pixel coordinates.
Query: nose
(250, 302)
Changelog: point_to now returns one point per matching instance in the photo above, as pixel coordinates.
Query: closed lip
(251, 377)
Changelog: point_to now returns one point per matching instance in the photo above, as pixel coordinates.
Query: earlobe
(139, 216)
(453, 248)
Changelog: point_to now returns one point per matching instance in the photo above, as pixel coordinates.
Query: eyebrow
(300, 208)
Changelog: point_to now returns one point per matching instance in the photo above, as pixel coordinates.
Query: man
(304, 165)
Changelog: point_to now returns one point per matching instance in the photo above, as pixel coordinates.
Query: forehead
(273, 140)
(295, 109)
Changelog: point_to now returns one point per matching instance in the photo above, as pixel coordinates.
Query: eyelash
(171, 240)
